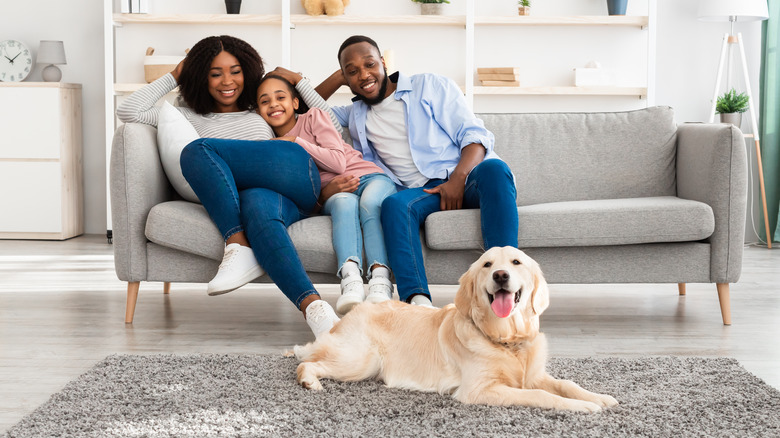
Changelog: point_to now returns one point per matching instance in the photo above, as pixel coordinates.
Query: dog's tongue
(503, 303)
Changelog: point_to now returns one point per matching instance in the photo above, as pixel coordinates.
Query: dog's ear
(465, 293)
(540, 298)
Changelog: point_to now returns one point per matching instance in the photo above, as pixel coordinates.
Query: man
(420, 131)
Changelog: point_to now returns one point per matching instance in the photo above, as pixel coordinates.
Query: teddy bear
(320, 7)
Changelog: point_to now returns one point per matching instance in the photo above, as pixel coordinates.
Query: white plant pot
(733, 118)
(431, 8)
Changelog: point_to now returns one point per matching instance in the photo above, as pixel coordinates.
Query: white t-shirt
(386, 130)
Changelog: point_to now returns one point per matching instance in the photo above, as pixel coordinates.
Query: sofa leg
(167, 287)
(681, 288)
(132, 297)
(725, 302)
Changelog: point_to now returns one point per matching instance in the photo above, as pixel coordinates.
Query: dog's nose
(501, 277)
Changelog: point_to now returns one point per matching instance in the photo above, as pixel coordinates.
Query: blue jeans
(350, 211)
(217, 169)
(266, 216)
(261, 188)
(489, 187)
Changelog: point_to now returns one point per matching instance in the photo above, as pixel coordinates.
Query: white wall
(687, 55)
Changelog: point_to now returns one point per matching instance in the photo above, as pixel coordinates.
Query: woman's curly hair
(193, 81)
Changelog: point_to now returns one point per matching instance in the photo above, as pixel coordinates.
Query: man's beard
(382, 91)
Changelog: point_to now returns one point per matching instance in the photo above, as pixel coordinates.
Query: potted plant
(431, 7)
(524, 7)
(730, 106)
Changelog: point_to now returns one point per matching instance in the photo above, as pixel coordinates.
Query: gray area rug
(247, 395)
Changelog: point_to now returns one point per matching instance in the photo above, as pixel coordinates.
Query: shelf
(641, 92)
(198, 19)
(428, 20)
(563, 91)
(122, 89)
(392, 20)
(39, 85)
(445, 20)
(581, 20)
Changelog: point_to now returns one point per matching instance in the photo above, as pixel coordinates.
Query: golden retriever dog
(485, 348)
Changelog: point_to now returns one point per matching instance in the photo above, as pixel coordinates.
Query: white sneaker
(320, 317)
(379, 289)
(422, 301)
(239, 266)
(352, 294)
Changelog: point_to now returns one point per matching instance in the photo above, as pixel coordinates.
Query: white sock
(349, 269)
(380, 271)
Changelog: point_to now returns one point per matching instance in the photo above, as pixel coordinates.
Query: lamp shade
(51, 52)
(741, 10)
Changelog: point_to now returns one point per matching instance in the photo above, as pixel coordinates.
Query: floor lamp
(733, 11)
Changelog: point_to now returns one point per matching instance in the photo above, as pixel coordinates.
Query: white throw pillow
(174, 132)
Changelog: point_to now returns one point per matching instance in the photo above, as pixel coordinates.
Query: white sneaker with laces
(239, 266)
(352, 294)
(379, 289)
(421, 300)
(320, 317)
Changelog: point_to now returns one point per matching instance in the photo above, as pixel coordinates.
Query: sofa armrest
(712, 168)
(137, 183)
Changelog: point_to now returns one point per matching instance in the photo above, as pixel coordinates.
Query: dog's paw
(311, 383)
(288, 353)
(582, 406)
(605, 401)
(299, 351)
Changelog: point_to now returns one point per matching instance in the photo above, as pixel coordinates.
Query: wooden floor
(62, 309)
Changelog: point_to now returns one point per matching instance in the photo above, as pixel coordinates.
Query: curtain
(769, 119)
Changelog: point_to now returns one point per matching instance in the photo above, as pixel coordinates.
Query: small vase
(233, 6)
(617, 7)
(523, 10)
(430, 8)
(733, 118)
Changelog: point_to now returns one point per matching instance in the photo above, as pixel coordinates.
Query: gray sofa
(625, 197)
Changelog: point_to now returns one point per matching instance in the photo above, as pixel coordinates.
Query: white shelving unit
(473, 26)
(640, 22)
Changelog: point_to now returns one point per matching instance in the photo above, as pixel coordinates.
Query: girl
(251, 189)
(358, 205)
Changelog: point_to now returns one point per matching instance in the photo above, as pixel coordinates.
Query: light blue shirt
(438, 121)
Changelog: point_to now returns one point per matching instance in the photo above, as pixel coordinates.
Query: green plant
(731, 102)
(525, 3)
(431, 1)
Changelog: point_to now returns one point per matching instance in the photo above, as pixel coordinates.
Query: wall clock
(16, 61)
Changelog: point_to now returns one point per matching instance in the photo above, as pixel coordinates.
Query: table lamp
(51, 53)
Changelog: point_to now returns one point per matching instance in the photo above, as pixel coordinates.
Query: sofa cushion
(187, 227)
(574, 156)
(583, 223)
(174, 132)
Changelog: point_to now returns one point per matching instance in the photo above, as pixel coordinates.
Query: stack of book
(499, 76)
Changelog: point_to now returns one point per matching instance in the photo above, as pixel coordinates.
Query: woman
(268, 184)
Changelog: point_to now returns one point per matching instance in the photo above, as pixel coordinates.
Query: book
(501, 83)
(499, 70)
(497, 77)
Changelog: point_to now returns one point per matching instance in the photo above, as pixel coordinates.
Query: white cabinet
(41, 188)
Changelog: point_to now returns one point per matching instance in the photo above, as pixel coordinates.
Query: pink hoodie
(315, 132)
